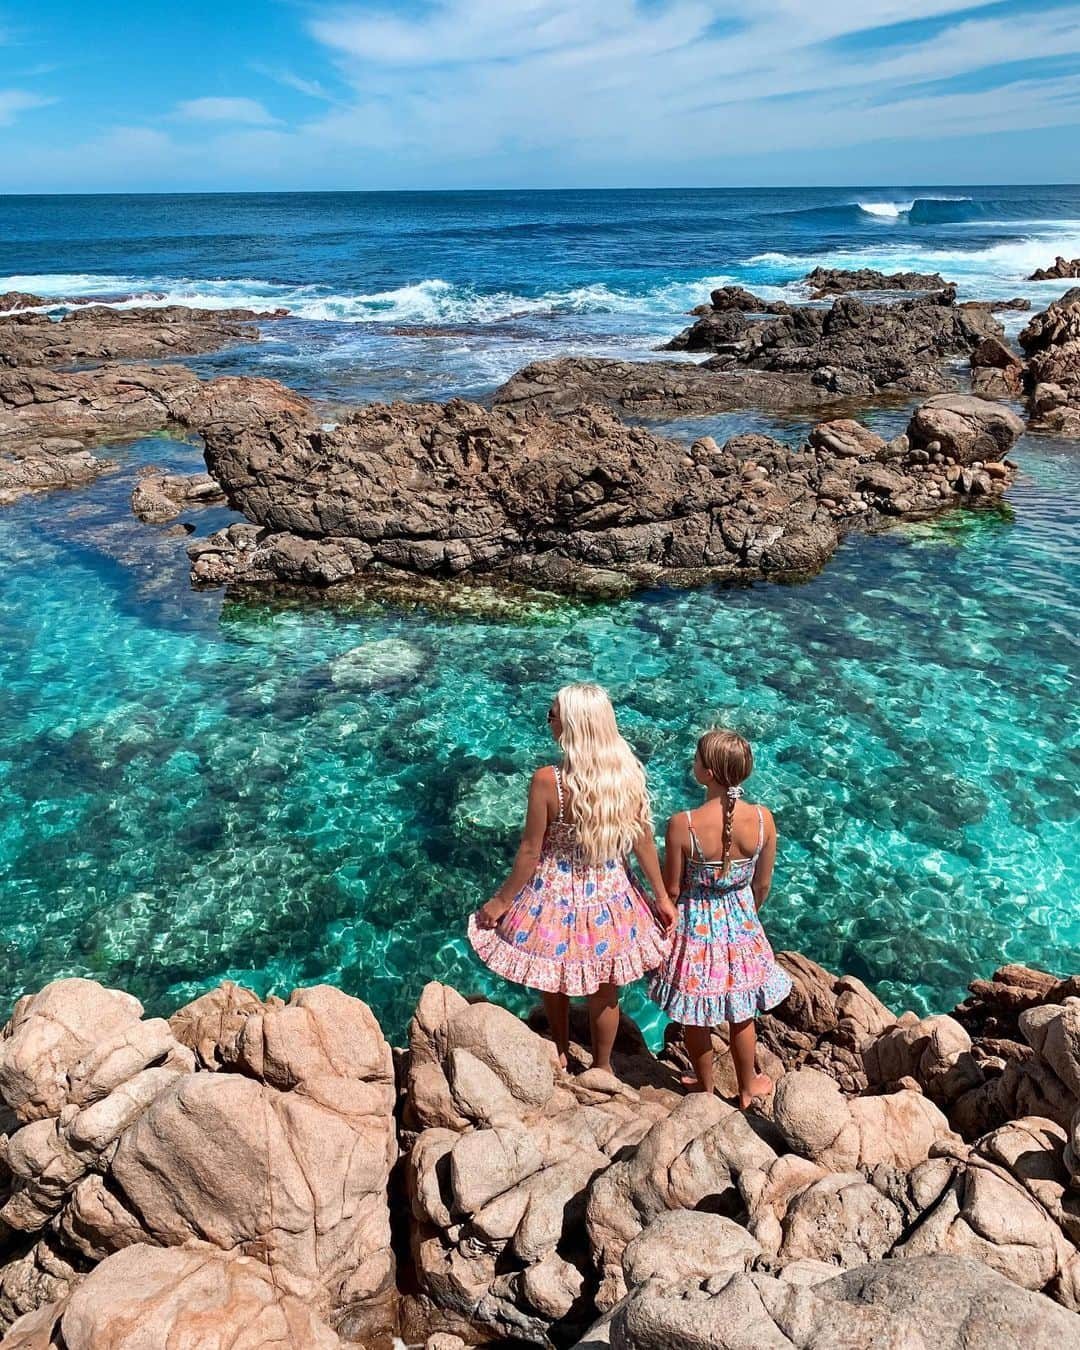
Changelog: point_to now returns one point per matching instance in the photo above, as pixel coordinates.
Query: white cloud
(248, 111)
(646, 85)
(16, 101)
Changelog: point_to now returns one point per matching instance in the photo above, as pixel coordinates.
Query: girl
(571, 918)
(718, 867)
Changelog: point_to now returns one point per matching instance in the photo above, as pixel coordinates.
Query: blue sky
(241, 95)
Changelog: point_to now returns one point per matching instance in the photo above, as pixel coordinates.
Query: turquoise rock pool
(195, 787)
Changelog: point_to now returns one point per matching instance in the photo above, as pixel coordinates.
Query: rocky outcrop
(99, 333)
(578, 503)
(502, 1154)
(231, 1168)
(51, 421)
(796, 357)
(826, 281)
(161, 497)
(122, 1140)
(1060, 269)
(1051, 342)
(996, 370)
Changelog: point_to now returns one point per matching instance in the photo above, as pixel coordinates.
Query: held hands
(487, 916)
(666, 913)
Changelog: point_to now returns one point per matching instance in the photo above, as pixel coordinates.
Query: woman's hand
(487, 916)
(666, 913)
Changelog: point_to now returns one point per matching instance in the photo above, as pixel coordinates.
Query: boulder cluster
(256, 1173)
(578, 503)
(1051, 342)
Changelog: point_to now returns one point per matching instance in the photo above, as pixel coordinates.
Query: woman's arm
(645, 852)
(766, 859)
(528, 855)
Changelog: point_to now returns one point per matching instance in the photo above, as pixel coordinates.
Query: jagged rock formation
(795, 357)
(52, 418)
(581, 503)
(1051, 342)
(1060, 269)
(232, 1166)
(826, 281)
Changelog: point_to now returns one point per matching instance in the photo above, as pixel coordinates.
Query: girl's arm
(676, 845)
(528, 855)
(766, 859)
(645, 852)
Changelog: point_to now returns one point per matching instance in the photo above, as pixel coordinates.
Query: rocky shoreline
(274, 1169)
(548, 488)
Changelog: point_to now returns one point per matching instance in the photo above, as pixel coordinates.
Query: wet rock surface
(234, 1166)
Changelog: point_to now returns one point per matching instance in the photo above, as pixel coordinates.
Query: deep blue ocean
(194, 787)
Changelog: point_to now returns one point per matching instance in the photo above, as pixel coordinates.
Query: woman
(571, 918)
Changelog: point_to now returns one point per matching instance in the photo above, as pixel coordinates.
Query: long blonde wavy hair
(609, 798)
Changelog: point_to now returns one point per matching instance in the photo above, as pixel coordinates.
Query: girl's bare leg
(743, 1051)
(698, 1042)
(604, 1024)
(557, 1011)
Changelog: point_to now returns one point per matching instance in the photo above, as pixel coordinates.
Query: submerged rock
(161, 497)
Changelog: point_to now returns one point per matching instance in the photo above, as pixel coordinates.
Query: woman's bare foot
(760, 1086)
(692, 1082)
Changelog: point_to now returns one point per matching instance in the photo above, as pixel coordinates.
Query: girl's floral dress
(720, 967)
(576, 925)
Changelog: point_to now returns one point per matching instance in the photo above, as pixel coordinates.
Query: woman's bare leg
(557, 1011)
(698, 1042)
(743, 1051)
(604, 1024)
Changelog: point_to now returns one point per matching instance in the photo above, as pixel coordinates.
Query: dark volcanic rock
(13, 300)
(1061, 269)
(1018, 302)
(580, 503)
(792, 358)
(1052, 343)
(98, 333)
(828, 281)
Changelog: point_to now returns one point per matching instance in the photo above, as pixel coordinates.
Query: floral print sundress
(720, 967)
(575, 925)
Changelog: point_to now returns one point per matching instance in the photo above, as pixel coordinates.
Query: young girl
(571, 918)
(718, 867)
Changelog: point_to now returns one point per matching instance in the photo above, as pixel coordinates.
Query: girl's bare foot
(692, 1083)
(760, 1086)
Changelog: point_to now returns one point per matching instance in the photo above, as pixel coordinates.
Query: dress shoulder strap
(559, 790)
(760, 832)
(695, 843)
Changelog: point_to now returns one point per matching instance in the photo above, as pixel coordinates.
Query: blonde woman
(571, 918)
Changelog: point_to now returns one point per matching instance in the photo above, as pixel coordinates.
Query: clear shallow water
(191, 788)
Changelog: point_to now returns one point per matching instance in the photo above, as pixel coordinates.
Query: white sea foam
(886, 210)
(893, 211)
(431, 301)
